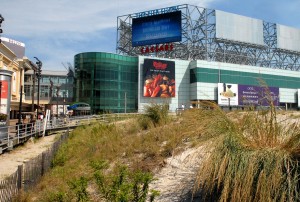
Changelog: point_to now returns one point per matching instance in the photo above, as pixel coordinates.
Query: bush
(123, 184)
(79, 187)
(60, 157)
(52, 195)
(157, 114)
(3, 117)
(145, 122)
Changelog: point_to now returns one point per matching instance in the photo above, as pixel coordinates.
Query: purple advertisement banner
(257, 96)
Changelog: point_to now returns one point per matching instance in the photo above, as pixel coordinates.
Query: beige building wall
(16, 67)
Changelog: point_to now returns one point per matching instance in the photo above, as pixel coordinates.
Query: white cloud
(58, 29)
(36, 17)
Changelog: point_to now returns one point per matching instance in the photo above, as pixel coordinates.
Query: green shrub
(3, 117)
(123, 184)
(60, 157)
(57, 196)
(79, 187)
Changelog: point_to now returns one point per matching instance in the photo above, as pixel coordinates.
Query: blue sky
(56, 30)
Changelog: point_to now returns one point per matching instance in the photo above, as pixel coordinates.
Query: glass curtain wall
(106, 81)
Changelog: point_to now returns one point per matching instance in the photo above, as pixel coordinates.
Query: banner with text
(242, 95)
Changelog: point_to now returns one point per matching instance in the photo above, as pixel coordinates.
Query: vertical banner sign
(227, 94)
(3, 98)
(159, 78)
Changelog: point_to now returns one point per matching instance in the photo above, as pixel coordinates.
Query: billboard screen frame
(157, 29)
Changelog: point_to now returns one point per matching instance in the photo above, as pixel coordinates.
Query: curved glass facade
(107, 81)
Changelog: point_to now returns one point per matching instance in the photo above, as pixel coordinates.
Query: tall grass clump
(155, 115)
(251, 158)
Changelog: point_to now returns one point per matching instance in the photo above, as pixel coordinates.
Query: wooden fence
(29, 174)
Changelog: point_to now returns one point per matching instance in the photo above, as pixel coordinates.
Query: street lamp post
(0, 94)
(20, 105)
(57, 95)
(38, 75)
(64, 97)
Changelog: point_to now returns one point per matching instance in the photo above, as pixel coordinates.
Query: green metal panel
(226, 76)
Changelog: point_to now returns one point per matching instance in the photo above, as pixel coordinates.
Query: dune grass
(252, 158)
(122, 156)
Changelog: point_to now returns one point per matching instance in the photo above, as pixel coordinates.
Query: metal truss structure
(199, 42)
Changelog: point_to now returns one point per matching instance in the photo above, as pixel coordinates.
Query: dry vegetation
(252, 157)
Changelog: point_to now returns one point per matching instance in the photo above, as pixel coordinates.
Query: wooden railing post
(20, 173)
(43, 163)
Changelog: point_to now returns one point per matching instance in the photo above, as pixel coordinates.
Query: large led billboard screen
(156, 29)
(158, 78)
(243, 95)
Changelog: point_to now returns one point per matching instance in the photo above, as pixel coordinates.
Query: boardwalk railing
(12, 136)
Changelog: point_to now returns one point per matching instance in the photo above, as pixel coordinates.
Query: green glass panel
(113, 73)
(246, 78)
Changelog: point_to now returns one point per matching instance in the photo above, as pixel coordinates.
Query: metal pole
(57, 105)
(125, 102)
(0, 94)
(219, 73)
(64, 101)
(20, 105)
(38, 74)
(33, 92)
(38, 98)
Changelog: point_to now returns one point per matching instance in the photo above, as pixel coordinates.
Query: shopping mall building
(185, 54)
